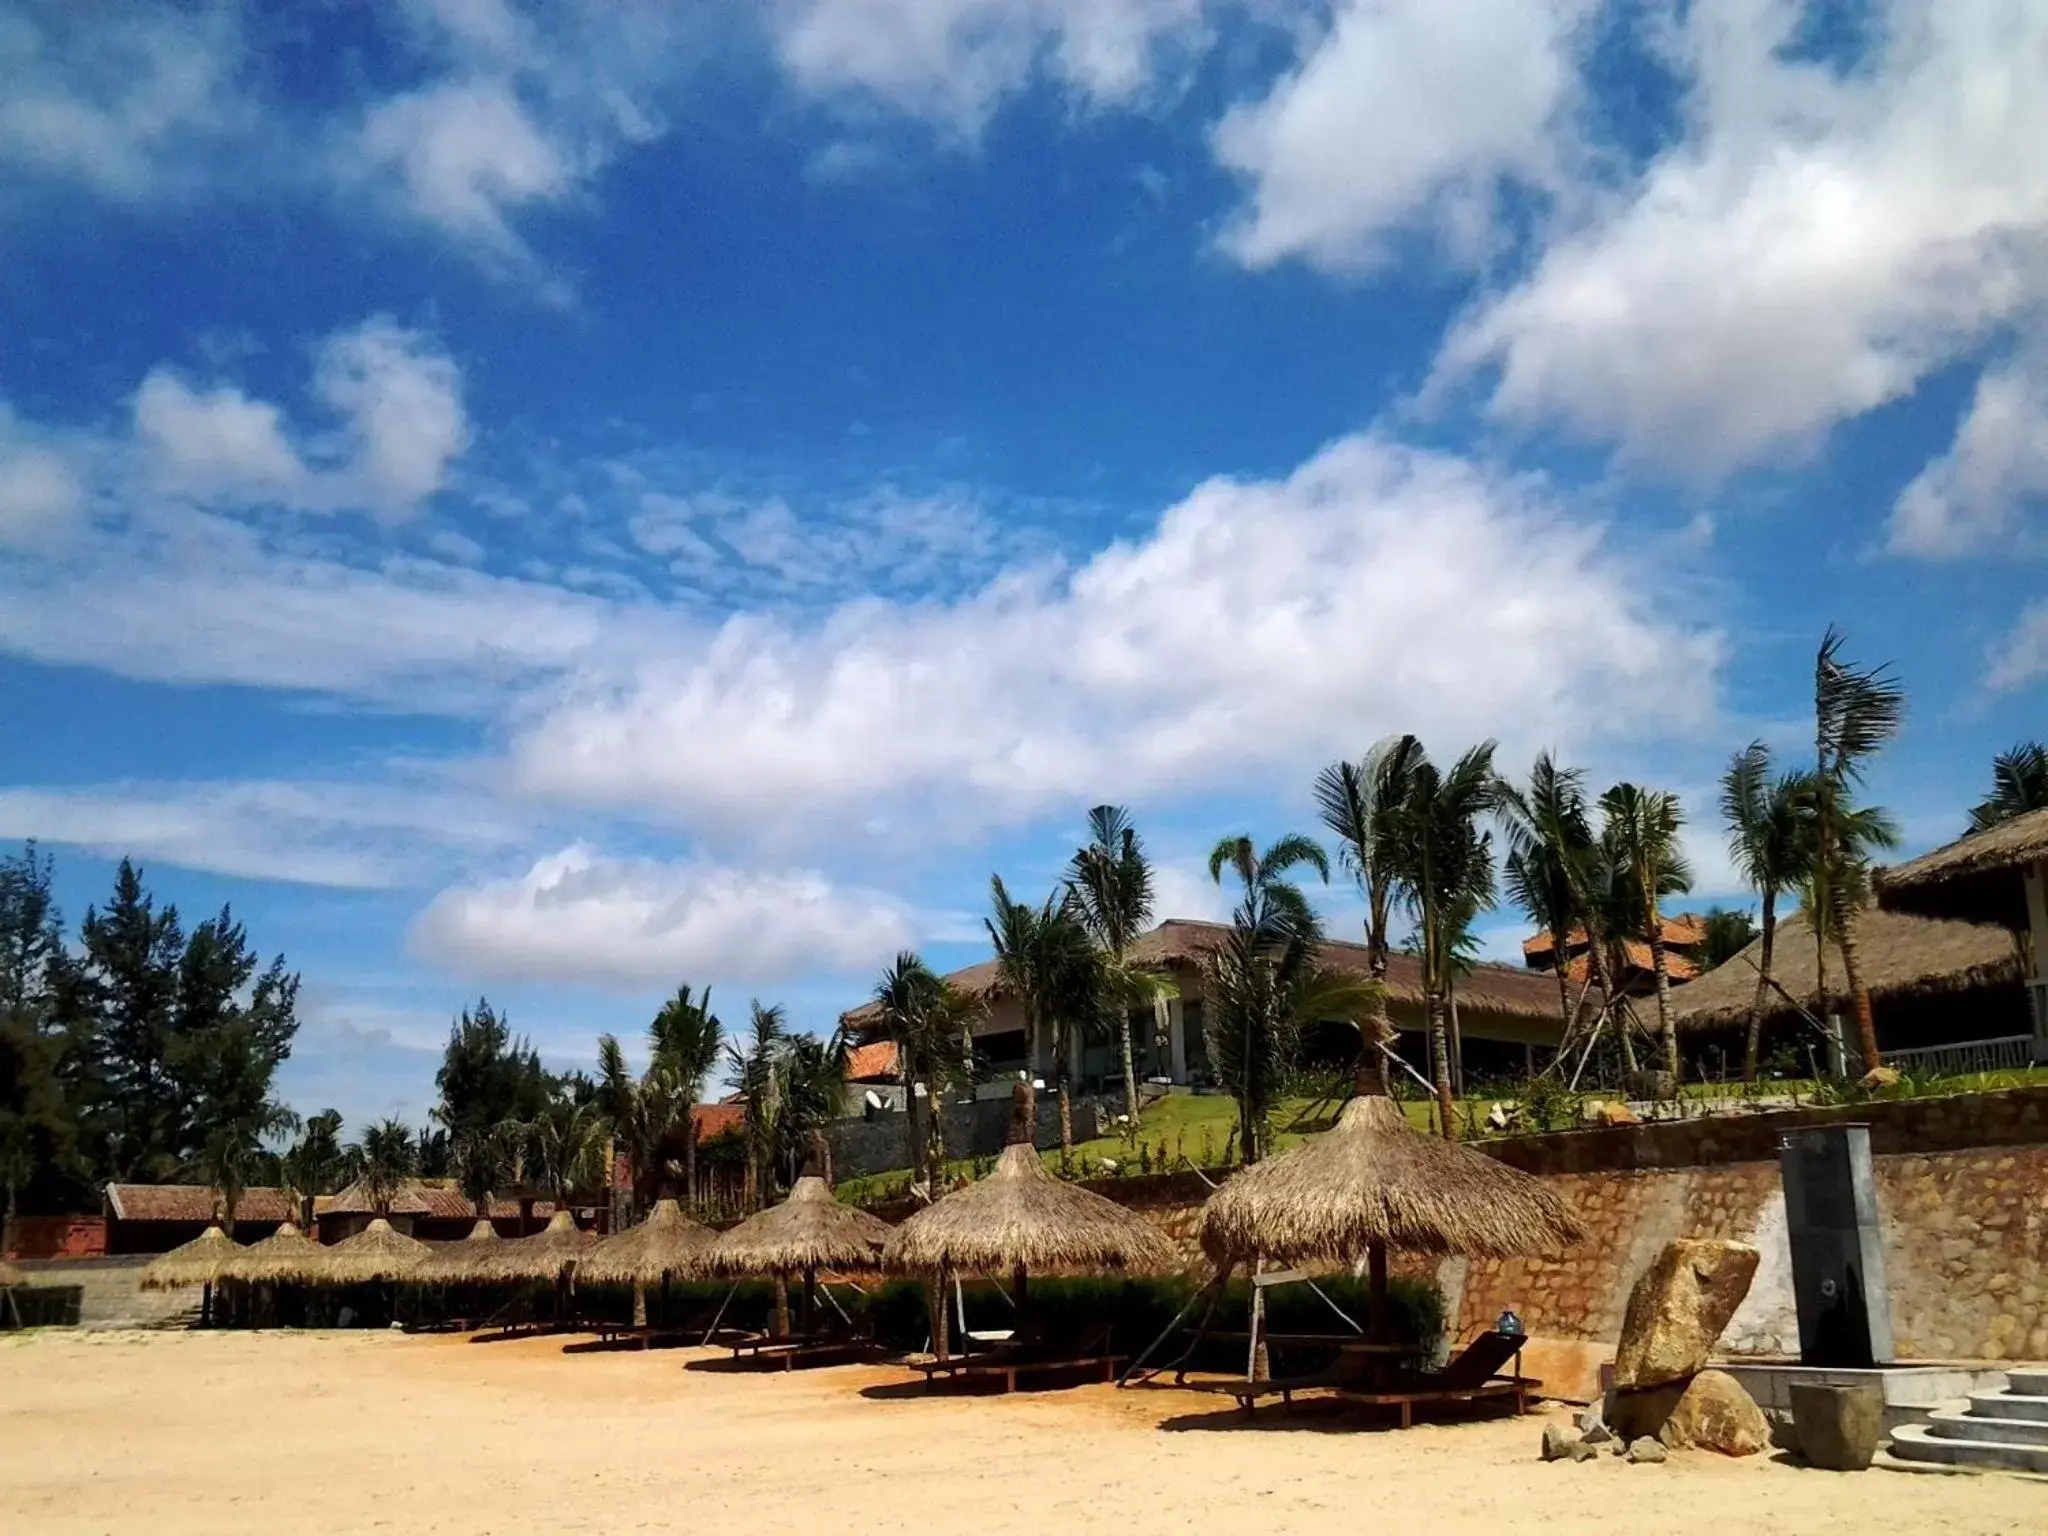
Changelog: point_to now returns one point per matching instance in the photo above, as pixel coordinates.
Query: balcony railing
(2008, 1053)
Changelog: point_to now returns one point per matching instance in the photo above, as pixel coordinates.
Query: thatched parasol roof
(378, 1252)
(1376, 1179)
(543, 1256)
(1976, 877)
(460, 1261)
(199, 1262)
(10, 1276)
(1021, 1216)
(666, 1243)
(810, 1230)
(1903, 956)
(286, 1257)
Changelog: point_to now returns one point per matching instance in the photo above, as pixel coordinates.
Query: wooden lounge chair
(1473, 1376)
(1006, 1360)
(853, 1339)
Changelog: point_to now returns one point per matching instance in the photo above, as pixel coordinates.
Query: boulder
(1839, 1428)
(1585, 1452)
(1678, 1308)
(1647, 1450)
(1593, 1428)
(1716, 1414)
(1631, 1415)
(1559, 1441)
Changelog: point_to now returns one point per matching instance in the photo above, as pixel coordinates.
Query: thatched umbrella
(667, 1243)
(1373, 1183)
(1021, 1221)
(461, 1261)
(808, 1232)
(200, 1262)
(286, 1257)
(378, 1253)
(547, 1255)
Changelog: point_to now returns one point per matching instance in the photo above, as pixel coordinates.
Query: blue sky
(559, 501)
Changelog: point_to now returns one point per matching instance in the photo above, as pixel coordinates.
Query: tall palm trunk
(1859, 994)
(1061, 1051)
(1440, 1064)
(1667, 1025)
(1610, 1001)
(1123, 1040)
(690, 1160)
(1563, 968)
(1375, 1075)
(1752, 1044)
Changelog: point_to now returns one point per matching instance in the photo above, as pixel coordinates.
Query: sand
(278, 1433)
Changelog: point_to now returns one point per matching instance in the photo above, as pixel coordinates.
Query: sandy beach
(191, 1433)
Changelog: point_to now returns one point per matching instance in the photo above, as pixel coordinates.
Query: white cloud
(1405, 112)
(121, 101)
(1972, 495)
(352, 834)
(952, 62)
(1263, 625)
(1817, 242)
(2021, 658)
(216, 442)
(400, 395)
(582, 915)
(41, 494)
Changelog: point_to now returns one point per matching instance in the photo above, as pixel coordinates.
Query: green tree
(813, 1095)
(1769, 817)
(488, 1079)
(1110, 880)
(38, 1120)
(929, 1024)
(688, 1040)
(1550, 871)
(754, 1068)
(1445, 872)
(2019, 783)
(1047, 962)
(1856, 711)
(1360, 803)
(382, 1161)
(316, 1164)
(1640, 828)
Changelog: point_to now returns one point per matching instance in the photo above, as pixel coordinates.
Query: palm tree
(644, 1116)
(2019, 783)
(1360, 804)
(928, 1023)
(1444, 869)
(1049, 965)
(1549, 870)
(753, 1066)
(688, 1040)
(383, 1160)
(1771, 839)
(1110, 883)
(1856, 711)
(1640, 827)
(317, 1164)
(813, 1093)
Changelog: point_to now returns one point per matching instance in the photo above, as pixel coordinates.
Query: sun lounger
(996, 1366)
(1473, 1376)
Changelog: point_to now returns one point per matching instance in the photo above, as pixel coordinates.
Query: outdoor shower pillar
(1831, 1219)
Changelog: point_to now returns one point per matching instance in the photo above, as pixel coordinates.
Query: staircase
(2004, 1430)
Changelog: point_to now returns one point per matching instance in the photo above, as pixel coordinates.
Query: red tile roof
(193, 1202)
(873, 1063)
(716, 1119)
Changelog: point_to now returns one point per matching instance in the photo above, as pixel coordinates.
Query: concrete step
(2033, 1383)
(1918, 1442)
(2009, 1405)
(1953, 1424)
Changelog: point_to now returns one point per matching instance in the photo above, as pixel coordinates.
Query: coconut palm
(688, 1039)
(1110, 883)
(645, 1115)
(1049, 965)
(382, 1161)
(812, 1095)
(1549, 869)
(1771, 839)
(1360, 803)
(316, 1164)
(1640, 828)
(2019, 783)
(753, 1064)
(1444, 870)
(1856, 711)
(929, 1023)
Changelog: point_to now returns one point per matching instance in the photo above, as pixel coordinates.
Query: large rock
(1839, 1428)
(1643, 1412)
(1678, 1308)
(1715, 1414)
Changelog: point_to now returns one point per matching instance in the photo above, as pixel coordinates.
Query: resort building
(1684, 935)
(1503, 1014)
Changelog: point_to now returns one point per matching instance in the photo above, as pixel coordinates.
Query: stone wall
(880, 1143)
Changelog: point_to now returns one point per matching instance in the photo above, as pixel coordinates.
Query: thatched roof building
(461, 1261)
(808, 1232)
(1374, 1181)
(543, 1256)
(1978, 878)
(377, 1253)
(1022, 1219)
(666, 1244)
(286, 1257)
(1903, 956)
(199, 1262)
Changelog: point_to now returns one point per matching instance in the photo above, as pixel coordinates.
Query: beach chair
(1473, 1376)
(1031, 1354)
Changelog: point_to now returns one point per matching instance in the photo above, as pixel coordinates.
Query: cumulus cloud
(1403, 113)
(352, 835)
(953, 62)
(1818, 240)
(1262, 625)
(41, 494)
(1972, 495)
(2021, 658)
(580, 914)
(398, 393)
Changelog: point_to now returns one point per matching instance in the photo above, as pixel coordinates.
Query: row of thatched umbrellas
(1371, 1185)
